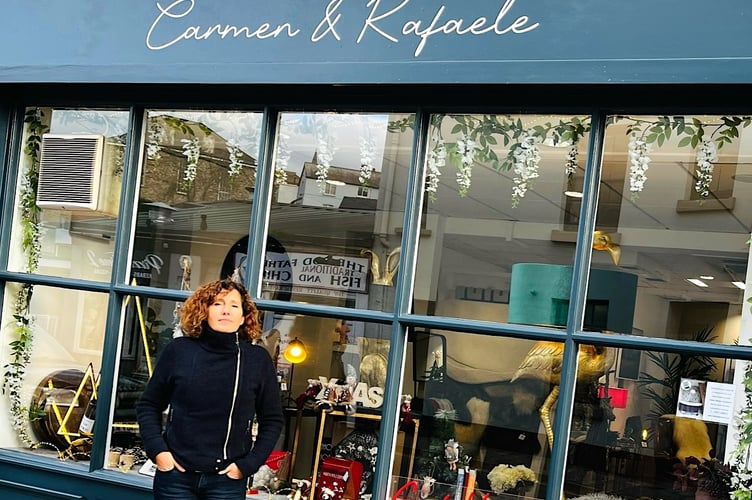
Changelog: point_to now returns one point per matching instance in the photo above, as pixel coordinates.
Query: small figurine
(406, 412)
(427, 486)
(452, 453)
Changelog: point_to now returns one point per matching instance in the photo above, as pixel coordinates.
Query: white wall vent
(70, 171)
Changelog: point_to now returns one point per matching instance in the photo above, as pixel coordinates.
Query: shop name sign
(316, 271)
(389, 20)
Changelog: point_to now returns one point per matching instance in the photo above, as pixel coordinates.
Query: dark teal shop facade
(413, 67)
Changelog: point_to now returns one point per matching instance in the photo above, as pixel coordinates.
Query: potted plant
(514, 479)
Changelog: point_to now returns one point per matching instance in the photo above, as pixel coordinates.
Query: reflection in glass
(61, 377)
(195, 198)
(631, 436)
(338, 207)
(148, 326)
(497, 197)
(675, 201)
(484, 412)
(78, 155)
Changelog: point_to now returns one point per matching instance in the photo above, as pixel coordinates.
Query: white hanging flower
(526, 162)
(466, 151)
(707, 155)
(367, 154)
(324, 155)
(235, 153)
(570, 166)
(639, 163)
(192, 151)
(283, 158)
(435, 162)
(156, 136)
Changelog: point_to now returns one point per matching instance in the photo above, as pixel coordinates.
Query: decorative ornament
(390, 266)
(639, 163)
(602, 241)
(452, 450)
(707, 156)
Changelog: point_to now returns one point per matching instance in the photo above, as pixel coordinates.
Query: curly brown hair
(195, 311)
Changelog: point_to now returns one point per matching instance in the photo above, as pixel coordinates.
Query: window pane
(338, 207)
(499, 221)
(671, 240)
(56, 384)
(634, 431)
(486, 412)
(78, 156)
(195, 195)
(148, 325)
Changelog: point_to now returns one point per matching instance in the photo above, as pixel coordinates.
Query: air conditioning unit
(70, 171)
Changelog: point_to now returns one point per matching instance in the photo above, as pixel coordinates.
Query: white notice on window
(719, 403)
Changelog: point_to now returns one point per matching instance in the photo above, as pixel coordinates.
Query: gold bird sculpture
(602, 241)
(543, 363)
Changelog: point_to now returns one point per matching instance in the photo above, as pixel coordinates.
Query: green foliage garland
(742, 477)
(21, 346)
(487, 131)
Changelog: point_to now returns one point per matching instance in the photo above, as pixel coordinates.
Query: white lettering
(262, 32)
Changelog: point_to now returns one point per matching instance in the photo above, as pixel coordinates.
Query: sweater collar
(219, 341)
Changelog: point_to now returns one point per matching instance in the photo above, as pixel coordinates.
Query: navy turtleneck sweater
(214, 386)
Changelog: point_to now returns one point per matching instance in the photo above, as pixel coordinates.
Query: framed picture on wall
(628, 364)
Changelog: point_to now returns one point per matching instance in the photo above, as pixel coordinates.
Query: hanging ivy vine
(480, 135)
(21, 345)
(741, 479)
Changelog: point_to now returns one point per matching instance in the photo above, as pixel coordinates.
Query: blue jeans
(176, 485)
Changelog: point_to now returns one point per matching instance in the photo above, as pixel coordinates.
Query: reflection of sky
(77, 121)
(346, 132)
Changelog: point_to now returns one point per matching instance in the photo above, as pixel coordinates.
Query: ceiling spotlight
(707, 277)
(697, 282)
(739, 284)
(573, 194)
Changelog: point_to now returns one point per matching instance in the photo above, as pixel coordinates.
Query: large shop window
(662, 431)
(680, 274)
(194, 204)
(77, 156)
(338, 207)
(497, 188)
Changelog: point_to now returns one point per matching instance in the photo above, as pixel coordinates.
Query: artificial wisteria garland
(324, 154)
(156, 135)
(570, 166)
(367, 155)
(191, 151)
(707, 155)
(526, 163)
(466, 152)
(283, 158)
(639, 163)
(234, 153)
(435, 162)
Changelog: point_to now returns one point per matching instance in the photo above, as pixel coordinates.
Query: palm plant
(663, 389)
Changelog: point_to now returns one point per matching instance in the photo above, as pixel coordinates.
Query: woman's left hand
(232, 471)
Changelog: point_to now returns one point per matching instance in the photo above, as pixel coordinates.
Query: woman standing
(214, 381)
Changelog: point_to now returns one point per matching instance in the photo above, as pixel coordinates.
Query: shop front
(501, 249)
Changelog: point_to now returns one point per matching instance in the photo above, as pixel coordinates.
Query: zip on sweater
(234, 396)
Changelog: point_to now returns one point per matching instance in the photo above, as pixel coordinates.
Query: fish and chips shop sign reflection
(317, 274)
